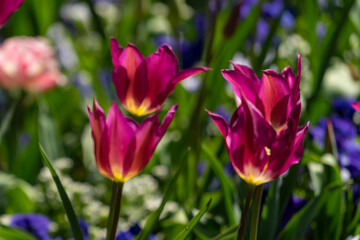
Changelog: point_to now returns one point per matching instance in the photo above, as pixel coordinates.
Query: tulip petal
(259, 132)
(7, 8)
(132, 60)
(182, 75)
(161, 66)
(99, 133)
(168, 119)
(120, 136)
(242, 83)
(296, 151)
(160, 98)
(289, 75)
(220, 122)
(273, 88)
(121, 82)
(116, 51)
(278, 118)
(356, 106)
(245, 70)
(148, 135)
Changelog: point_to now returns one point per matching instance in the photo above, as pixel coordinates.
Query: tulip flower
(7, 7)
(356, 106)
(263, 138)
(142, 84)
(122, 146)
(29, 63)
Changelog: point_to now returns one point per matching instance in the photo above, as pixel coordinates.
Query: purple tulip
(263, 138)
(7, 7)
(122, 146)
(142, 84)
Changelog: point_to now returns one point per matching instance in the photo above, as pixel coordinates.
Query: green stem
(255, 212)
(245, 212)
(114, 210)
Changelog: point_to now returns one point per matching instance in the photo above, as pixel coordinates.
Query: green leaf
(154, 217)
(298, 225)
(48, 135)
(64, 198)
(8, 233)
(225, 183)
(228, 233)
(18, 200)
(186, 231)
(6, 121)
(270, 213)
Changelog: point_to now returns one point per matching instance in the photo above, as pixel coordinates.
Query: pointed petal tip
(113, 40)
(166, 48)
(88, 108)
(356, 106)
(174, 107)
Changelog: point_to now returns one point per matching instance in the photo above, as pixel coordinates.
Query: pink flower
(356, 106)
(263, 138)
(122, 146)
(29, 63)
(142, 84)
(7, 7)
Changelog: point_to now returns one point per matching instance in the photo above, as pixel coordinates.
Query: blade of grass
(328, 49)
(9, 233)
(225, 183)
(188, 228)
(7, 120)
(74, 224)
(270, 213)
(299, 224)
(153, 219)
(227, 233)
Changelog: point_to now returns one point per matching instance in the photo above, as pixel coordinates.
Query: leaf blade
(188, 228)
(74, 224)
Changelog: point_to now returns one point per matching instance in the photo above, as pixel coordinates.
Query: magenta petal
(116, 50)
(161, 66)
(248, 72)
(132, 123)
(279, 115)
(148, 135)
(160, 98)
(241, 83)
(259, 132)
(146, 141)
(289, 75)
(182, 75)
(296, 151)
(356, 106)
(7, 7)
(299, 67)
(273, 88)
(220, 122)
(120, 134)
(168, 119)
(140, 84)
(101, 146)
(121, 83)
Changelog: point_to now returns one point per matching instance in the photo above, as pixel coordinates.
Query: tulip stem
(245, 212)
(255, 212)
(114, 210)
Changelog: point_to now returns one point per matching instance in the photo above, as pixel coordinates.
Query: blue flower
(345, 132)
(124, 236)
(84, 227)
(132, 233)
(36, 224)
(343, 107)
